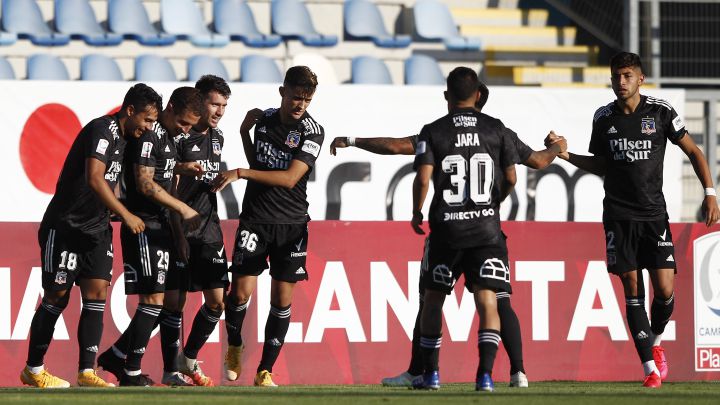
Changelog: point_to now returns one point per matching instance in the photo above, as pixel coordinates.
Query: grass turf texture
(558, 392)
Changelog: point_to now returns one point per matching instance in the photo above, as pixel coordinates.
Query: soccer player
(273, 222)
(628, 141)
(146, 255)
(202, 249)
(75, 235)
(475, 160)
(510, 331)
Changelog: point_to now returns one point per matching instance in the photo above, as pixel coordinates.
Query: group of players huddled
(172, 242)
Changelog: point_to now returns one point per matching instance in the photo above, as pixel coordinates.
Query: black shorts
(67, 257)
(284, 244)
(483, 266)
(207, 269)
(634, 245)
(146, 259)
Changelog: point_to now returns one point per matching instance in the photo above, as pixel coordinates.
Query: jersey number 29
(481, 177)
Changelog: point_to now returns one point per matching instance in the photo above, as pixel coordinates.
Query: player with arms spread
(628, 143)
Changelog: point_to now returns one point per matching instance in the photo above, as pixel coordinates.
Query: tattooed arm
(150, 189)
(380, 146)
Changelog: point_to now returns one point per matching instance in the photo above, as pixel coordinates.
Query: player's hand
(133, 223)
(189, 169)
(223, 179)
(251, 118)
(416, 223)
(710, 210)
(551, 138)
(339, 142)
(191, 219)
(559, 145)
(183, 248)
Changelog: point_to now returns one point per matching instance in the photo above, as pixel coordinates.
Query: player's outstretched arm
(542, 159)
(95, 178)
(147, 187)
(251, 118)
(188, 169)
(276, 178)
(702, 171)
(592, 164)
(421, 184)
(380, 146)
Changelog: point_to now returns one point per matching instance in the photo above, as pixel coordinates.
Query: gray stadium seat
(423, 70)
(199, 65)
(433, 22)
(77, 19)
(363, 21)
(24, 18)
(130, 19)
(291, 20)
(46, 67)
(99, 68)
(183, 19)
(153, 68)
(369, 70)
(259, 69)
(235, 19)
(6, 70)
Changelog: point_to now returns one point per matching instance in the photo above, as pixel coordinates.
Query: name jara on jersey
(469, 139)
(624, 149)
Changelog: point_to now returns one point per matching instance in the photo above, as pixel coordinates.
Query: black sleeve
(146, 150)
(675, 127)
(509, 156)
(309, 149)
(99, 141)
(596, 141)
(414, 141)
(423, 149)
(522, 151)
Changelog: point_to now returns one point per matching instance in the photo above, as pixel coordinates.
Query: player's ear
(446, 95)
(130, 110)
(641, 80)
(281, 90)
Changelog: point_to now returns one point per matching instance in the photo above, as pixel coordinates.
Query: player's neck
(121, 119)
(202, 129)
(628, 106)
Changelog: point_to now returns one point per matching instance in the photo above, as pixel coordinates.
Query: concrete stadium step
(528, 36)
(518, 55)
(500, 17)
(548, 76)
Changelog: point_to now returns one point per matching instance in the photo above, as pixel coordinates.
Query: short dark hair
(140, 96)
(208, 83)
(625, 59)
(484, 94)
(187, 99)
(462, 83)
(301, 76)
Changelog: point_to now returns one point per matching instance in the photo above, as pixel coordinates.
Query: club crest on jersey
(647, 126)
(293, 139)
(216, 147)
(60, 277)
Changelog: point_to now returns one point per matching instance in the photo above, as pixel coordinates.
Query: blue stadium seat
(6, 70)
(153, 68)
(77, 19)
(369, 70)
(363, 21)
(433, 22)
(259, 69)
(7, 38)
(99, 68)
(199, 65)
(291, 20)
(130, 19)
(46, 67)
(24, 18)
(423, 70)
(235, 19)
(183, 19)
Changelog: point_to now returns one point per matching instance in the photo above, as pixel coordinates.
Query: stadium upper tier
(353, 41)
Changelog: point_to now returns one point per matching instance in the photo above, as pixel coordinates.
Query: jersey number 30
(481, 176)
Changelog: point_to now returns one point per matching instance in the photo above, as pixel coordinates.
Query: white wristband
(351, 141)
(710, 191)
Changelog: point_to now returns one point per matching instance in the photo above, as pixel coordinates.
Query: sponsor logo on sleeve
(311, 147)
(678, 123)
(146, 149)
(102, 146)
(420, 148)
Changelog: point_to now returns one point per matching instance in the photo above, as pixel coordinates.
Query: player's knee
(664, 292)
(58, 299)
(215, 306)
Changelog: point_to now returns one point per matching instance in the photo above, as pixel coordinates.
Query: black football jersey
(276, 145)
(155, 149)
(75, 207)
(523, 151)
(469, 151)
(633, 146)
(205, 149)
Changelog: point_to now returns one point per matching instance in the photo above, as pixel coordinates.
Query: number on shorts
(248, 241)
(68, 260)
(164, 260)
(611, 240)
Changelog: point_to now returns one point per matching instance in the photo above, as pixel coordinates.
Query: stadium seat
(183, 19)
(153, 68)
(99, 68)
(259, 69)
(319, 64)
(369, 70)
(6, 70)
(7, 38)
(423, 70)
(24, 18)
(130, 19)
(77, 19)
(46, 67)
(235, 19)
(363, 21)
(199, 65)
(291, 20)
(433, 22)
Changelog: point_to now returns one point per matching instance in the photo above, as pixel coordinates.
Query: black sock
(41, 332)
(416, 358)
(89, 332)
(660, 312)
(234, 317)
(430, 349)
(170, 323)
(488, 340)
(639, 327)
(275, 330)
(142, 326)
(203, 325)
(510, 332)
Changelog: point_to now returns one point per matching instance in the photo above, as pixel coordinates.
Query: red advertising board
(352, 321)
